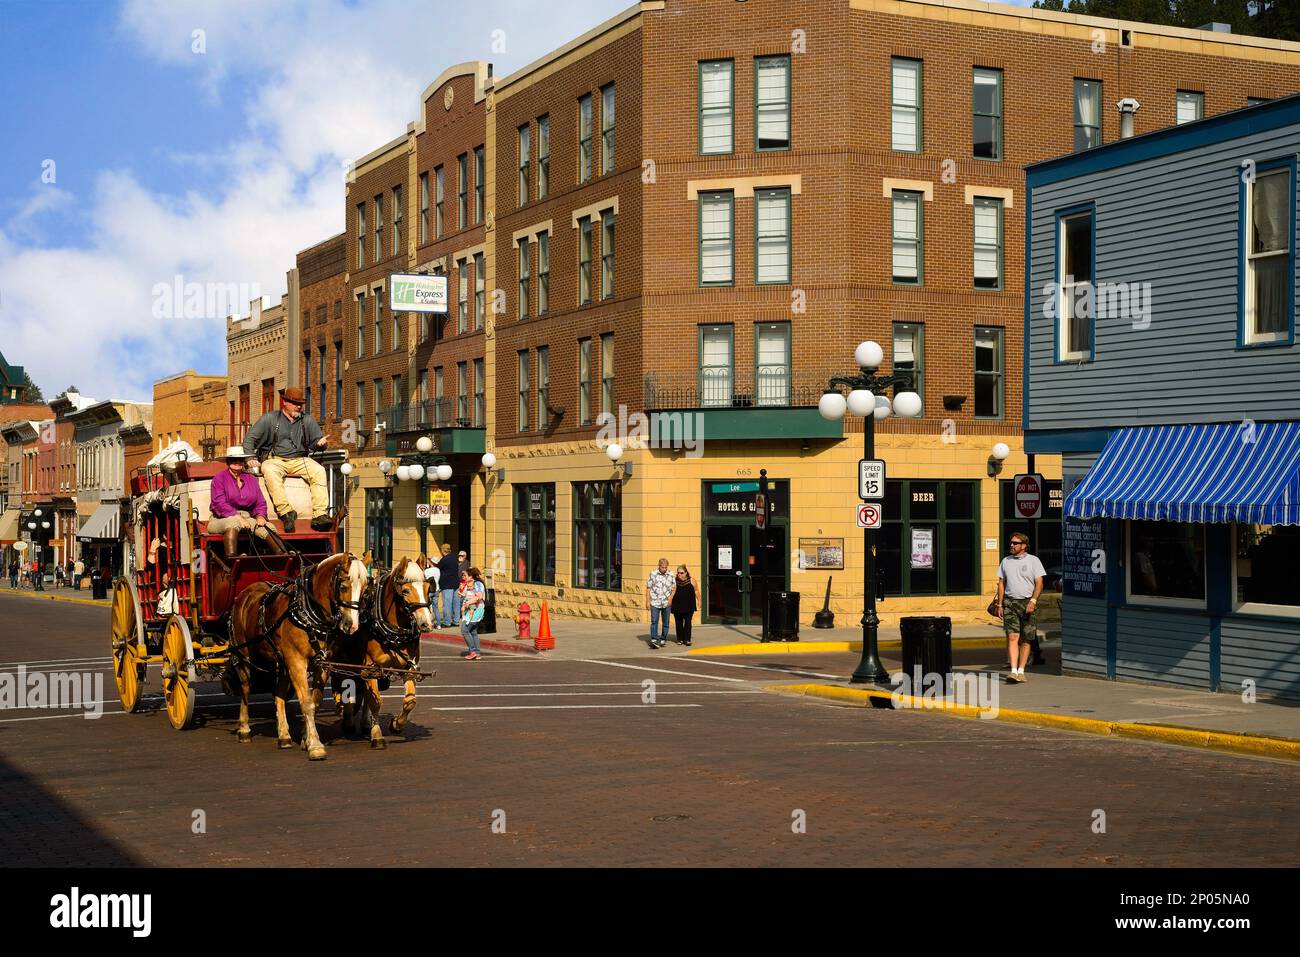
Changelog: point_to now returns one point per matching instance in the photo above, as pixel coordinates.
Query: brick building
(257, 365)
(695, 211)
(322, 290)
(191, 408)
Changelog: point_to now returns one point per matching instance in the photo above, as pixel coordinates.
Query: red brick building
(322, 292)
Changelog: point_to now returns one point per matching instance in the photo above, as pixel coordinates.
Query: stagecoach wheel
(178, 673)
(128, 633)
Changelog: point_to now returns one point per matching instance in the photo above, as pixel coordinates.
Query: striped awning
(9, 526)
(1235, 472)
(103, 523)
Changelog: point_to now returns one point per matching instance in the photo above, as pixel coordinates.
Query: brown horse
(269, 630)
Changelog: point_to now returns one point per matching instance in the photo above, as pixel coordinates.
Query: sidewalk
(57, 594)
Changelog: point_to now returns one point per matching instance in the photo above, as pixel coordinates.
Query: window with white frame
(1264, 563)
(772, 363)
(1166, 563)
(1269, 243)
(1074, 282)
(717, 362)
(987, 213)
(1087, 114)
(715, 98)
(907, 237)
(717, 249)
(772, 103)
(909, 355)
(1190, 106)
(772, 236)
(905, 92)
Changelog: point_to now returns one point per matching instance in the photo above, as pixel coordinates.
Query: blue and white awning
(1237, 472)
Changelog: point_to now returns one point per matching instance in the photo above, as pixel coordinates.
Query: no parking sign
(870, 515)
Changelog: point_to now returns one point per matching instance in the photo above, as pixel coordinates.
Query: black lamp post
(864, 400)
(421, 465)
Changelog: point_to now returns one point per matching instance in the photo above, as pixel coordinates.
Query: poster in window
(724, 558)
(440, 499)
(923, 548)
(821, 553)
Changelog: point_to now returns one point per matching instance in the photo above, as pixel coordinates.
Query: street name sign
(870, 515)
(1029, 495)
(871, 479)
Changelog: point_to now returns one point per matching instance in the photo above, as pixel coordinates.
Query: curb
(1252, 744)
(794, 647)
(102, 603)
(489, 643)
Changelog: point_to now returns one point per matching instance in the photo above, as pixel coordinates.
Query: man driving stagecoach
(283, 440)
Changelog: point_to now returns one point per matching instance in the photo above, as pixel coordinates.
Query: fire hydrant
(523, 622)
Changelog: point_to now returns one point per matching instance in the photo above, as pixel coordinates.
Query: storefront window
(379, 525)
(1265, 561)
(1166, 562)
(598, 535)
(1044, 532)
(535, 534)
(930, 540)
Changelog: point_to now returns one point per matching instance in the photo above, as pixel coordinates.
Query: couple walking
(664, 592)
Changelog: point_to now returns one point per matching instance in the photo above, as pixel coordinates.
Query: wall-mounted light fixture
(997, 457)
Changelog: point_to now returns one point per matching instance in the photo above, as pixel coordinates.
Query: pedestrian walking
(473, 603)
(67, 571)
(683, 603)
(449, 574)
(13, 573)
(38, 576)
(462, 560)
(78, 570)
(658, 593)
(1020, 582)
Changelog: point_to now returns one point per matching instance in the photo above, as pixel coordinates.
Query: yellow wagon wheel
(128, 635)
(178, 673)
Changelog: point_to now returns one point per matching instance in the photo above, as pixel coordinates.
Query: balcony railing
(719, 388)
(423, 416)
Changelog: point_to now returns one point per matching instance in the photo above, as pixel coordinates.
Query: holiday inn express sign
(415, 293)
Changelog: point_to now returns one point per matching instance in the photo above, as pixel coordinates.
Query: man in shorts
(1020, 582)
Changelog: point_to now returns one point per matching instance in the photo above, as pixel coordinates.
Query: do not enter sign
(1029, 495)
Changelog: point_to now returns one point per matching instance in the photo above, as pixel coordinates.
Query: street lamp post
(864, 400)
(421, 466)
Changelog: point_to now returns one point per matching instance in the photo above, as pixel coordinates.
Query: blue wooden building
(1161, 362)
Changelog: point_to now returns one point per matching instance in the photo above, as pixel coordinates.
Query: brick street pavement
(585, 773)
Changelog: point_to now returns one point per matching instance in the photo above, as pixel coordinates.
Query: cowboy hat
(236, 452)
(293, 394)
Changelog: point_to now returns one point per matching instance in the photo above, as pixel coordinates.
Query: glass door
(726, 576)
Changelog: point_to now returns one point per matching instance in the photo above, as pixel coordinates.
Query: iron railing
(721, 388)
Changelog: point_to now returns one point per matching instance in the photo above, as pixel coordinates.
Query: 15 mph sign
(871, 479)
(870, 515)
(1029, 495)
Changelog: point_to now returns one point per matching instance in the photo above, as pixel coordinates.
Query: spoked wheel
(127, 630)
(178, 673)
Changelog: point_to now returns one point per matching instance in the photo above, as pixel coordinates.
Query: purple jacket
(228, 498)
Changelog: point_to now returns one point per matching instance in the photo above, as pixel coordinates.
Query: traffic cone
(544, 640)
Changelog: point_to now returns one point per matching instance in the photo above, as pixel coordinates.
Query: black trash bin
(927, 644)
(98, 587)
(489, 625)
(783, 616)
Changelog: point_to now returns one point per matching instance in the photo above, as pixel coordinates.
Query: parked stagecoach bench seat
(282, 440)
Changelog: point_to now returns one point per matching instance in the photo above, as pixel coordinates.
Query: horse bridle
(394, 640)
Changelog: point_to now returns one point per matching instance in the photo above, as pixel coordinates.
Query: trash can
(98, 587)
(783, 616)
(927, 644)
(489, 625)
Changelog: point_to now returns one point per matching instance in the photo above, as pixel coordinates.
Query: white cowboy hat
(236, 452)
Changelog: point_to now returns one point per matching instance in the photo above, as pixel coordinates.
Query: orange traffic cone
(544, 640)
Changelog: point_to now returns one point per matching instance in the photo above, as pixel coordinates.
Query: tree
(34, 393)
(1277, 19)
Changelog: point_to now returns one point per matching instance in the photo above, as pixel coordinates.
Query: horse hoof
(284, 744)
(317, 753)
(378, 744)
(245, 737)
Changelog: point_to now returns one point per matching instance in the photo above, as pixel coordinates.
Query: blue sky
(150, 139)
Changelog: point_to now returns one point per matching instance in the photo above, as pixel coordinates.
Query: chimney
(1127, 107)
(1216, 27)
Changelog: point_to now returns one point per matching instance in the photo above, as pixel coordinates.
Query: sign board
(737, 500)
(821, 553)
(871, 479)
(760, 510)
(870, 515)
(726, 488)
(724, 558)
(923, 548)
(1029, 495)
(423, 511)
(415, 293)
(1083, 558)
(440, 506)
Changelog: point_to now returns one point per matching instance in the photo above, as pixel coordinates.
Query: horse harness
(303, 610)
(393, 639)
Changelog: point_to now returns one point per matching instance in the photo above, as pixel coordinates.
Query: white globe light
(883, 409)
(869, 355)
(45, 524)
(614, 451)
(37, 513)
(1001, 451)
(404, 473)
(444, 472)
(907, 404)
(489, 460)
(424, 444)
(861, 401)
(831, 406)
(416, 471)
(385, 466)
(346, 468)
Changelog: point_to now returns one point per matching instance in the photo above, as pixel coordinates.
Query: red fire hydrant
(523, 621)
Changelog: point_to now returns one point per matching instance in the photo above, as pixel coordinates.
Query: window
(361, 406)
(772, 363)
(907, 232)
(522, 417)
(909, 355)
(715, 92)
(988, 373)
(480, 395)
(535, 534)
(523, 278)
(424, 208)
(1264, 563)
(397, 220)
(439, 400)
(379, 227)
(986, 103)
(607, 373)
(1166, 563)
(361, 324)
(462, 191)
(1257, 100)
(320, 383)
(988, 243)
(598, 535)
(361, 235)
(1087, 114)
(905, 87)
(1269, 211)
(607, 255)
(607, 129)
(397, 330)
(480, 174)
(772, 103)
(584, 260)
(480, 290)
(522, 186)
(584, 138)
(379, 401)
(543, 156)
(399, 405)
(771, 236)
(1074, 280)
(462, 395)
(717, 250)
(941, 515)
(438, 196)
(422, 387)
(717, 357)
(306, 379)
(338, 380)
(1190, 106)
(378, 299)
(543, 273)
(584, 382)
(462, 296)
(543, 388)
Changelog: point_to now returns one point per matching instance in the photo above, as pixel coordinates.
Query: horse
(280, 628)
(395, 616)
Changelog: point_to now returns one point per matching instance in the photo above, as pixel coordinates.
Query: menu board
(1083, 558)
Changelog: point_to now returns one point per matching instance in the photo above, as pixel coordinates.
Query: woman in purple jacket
(237, 503)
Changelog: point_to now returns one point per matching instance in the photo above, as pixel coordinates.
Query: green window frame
(987, 236)
(361, 235)
(534, 525)
(462, 393)
(397, 219)
(607, 374)
(607, 248)
(584, 381)
(607, 129)
(717, 352)
(543, 388)
(716, 260)
(772, 111)
(480, 395)
(361, 325)
(524, 149)
(480, 174)
(480, 289)
(543, 272)
(773, 365)
(989, 365)
(439, 201)
(986, 113)
(424, 208)
(584, 260)
(773, 245)
(462, 296)
(907, 231)
(523, 269)
(522, 414)
(439, 398)
(462, 191)
(938, 505)
(543, 155)
(716, 120)
(598, 536)
(584, 138)
(379, 227)
(906, 96)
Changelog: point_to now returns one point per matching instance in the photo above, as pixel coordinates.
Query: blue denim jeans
(470, 634)
(447, 614)
(658, 631)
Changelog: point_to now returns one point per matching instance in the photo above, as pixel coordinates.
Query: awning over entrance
(102, 524)
(1236, 472)
(9, 526)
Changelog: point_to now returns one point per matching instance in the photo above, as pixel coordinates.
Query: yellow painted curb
(793, 647)
(79, 601)
(1255, 744)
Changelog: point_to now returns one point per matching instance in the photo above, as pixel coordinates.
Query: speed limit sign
(871, 479)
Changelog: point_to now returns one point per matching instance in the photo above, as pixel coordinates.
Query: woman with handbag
(683, 604)
(473, 603)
